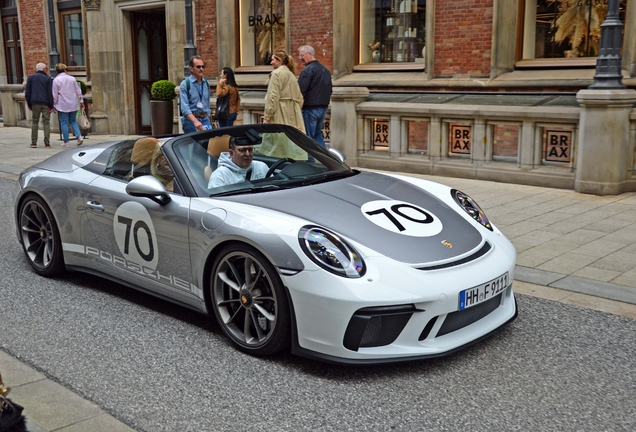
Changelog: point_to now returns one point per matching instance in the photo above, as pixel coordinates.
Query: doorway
(150, 61)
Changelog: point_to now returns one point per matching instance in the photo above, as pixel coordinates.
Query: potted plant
(161, 109)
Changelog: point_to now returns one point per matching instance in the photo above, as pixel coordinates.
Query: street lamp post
(54, 56)
(190, 49)
(608, 64)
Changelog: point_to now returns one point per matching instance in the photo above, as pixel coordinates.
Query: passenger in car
(237, 165)
(160, 169)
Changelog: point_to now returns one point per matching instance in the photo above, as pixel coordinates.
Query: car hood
(343, 206)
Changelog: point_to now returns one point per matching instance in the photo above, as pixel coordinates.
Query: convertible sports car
(334, 263)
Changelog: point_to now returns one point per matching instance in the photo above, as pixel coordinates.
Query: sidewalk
(573, 248)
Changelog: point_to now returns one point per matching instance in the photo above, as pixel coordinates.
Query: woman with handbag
(67, 99)
(228, 100)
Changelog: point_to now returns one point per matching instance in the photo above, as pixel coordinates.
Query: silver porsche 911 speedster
(275, 236)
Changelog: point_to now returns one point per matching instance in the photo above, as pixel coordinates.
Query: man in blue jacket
(39, 98)
(315, 85)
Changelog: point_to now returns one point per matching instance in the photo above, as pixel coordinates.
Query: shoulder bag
(83, 121)
(222, 108)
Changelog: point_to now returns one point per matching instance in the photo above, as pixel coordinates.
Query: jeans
(188, 126)
(36, 110)
(65, 119)
(314, 119)
(229, 122)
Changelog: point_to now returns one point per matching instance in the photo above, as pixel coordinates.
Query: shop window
(558, 29)
(392, 31)
(262, 30)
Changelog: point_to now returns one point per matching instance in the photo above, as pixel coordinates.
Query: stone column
(602, 156)
(344, 124)
(11, 111)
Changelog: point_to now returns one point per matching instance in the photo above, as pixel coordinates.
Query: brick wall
(311, 23)
(33, 28)
(418, 137)
(505, 140)
(206, 37)
(463, 37)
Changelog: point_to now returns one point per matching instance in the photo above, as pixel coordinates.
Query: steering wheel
(276, 164)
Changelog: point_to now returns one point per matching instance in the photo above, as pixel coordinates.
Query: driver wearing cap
(237, 166)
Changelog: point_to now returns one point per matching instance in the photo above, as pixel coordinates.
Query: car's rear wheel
(40, 237)
(249, 301)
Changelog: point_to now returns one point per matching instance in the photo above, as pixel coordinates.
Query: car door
(142, 242)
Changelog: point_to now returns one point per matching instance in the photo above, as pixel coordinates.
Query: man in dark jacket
(315, 85)
(39, 98)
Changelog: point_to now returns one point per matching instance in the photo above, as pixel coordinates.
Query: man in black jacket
(39, 98)
(315, 85)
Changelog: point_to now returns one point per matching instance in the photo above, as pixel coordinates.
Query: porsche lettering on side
(277, 239)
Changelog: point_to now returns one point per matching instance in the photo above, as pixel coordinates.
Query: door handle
(94, 205)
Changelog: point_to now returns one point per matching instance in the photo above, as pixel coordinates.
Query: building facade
(520, 48)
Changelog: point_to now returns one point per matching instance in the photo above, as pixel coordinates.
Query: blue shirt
(199, 92)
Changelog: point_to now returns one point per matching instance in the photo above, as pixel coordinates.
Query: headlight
(330, 252)
(471, 207)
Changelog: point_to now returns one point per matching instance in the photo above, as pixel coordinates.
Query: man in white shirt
(237, 166)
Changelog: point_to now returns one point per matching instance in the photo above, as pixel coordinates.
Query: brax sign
(259, 20)
(557, 145)
(326, 129)
(380, 134)
(460, 138)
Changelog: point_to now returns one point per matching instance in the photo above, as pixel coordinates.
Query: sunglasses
(243, 150)
(200, 67)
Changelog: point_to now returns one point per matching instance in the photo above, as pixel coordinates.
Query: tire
(40, 237)
(249, 301)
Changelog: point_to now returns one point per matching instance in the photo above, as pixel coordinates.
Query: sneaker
(80, 141)
(65, 144)
(47, 145)
(33, 145)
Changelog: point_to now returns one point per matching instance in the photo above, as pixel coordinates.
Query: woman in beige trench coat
(284, 100)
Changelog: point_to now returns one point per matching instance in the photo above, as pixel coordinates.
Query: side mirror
(337, 153)
(149, 187)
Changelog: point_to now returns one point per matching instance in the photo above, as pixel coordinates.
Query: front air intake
(460, 319)
(376, 326)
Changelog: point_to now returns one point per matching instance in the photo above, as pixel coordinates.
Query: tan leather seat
(142, 155)
(216, 146)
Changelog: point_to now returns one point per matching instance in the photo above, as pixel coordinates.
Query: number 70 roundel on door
(402, 218)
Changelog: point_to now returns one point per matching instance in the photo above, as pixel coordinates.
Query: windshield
(254, 159)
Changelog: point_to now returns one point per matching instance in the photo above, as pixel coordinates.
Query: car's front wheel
(249, 301)
(40, 237)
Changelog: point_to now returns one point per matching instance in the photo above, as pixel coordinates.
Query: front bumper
(396, 313)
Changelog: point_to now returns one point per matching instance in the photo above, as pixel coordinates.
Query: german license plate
(481, 293)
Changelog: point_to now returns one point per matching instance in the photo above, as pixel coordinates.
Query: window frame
(70, 7)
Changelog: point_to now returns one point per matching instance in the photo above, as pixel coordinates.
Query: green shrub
(82, 85)
(163, 90)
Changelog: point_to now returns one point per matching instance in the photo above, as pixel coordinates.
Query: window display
(392, 31)
(564, 28)
(262, 30)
